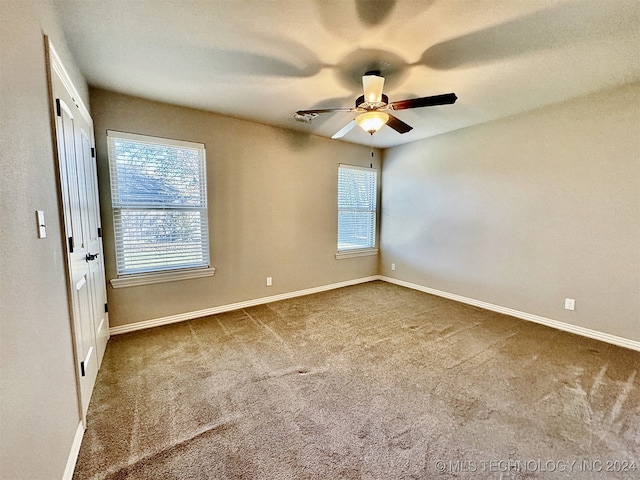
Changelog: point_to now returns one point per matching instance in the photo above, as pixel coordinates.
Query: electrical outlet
(569, 304)
(393, 266)
(269, 281)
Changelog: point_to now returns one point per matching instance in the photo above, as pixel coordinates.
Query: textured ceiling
(262, 60)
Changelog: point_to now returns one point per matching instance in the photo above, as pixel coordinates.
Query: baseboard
(567, 327)
(73, 454)
(181, 317)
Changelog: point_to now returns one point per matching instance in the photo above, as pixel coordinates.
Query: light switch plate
(42, 227)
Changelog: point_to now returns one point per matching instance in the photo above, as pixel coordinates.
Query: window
(159, 198)
(357, 193)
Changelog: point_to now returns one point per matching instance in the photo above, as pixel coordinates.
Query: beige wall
(526, 211)
(272, 208)
(38, 403)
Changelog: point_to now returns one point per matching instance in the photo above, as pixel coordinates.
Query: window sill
(356, 253)
(150, 278)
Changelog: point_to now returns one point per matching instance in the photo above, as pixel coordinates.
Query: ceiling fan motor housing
(362, 105)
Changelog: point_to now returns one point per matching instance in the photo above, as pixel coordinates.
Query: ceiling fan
(373, 107)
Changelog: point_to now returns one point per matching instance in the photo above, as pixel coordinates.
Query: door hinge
(82, 372)
(58, 108)
(100, 232)
(70, 244)
(93, 152)
(106, 308)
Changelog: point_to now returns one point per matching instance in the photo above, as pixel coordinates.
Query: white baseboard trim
(567, 327)
(73, 454)
(181, 317)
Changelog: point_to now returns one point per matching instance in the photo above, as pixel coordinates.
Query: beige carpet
(373, 381)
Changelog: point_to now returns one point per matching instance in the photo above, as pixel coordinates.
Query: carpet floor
(373, 381)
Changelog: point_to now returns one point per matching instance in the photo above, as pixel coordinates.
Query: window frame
(148, 274)
(362, 251)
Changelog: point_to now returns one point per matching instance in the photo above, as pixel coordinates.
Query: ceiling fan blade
(446, 99)
(344, 130)
(325, 110)
(398, 125)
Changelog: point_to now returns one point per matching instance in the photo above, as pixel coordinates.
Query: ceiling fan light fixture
(372, 85)
(371, 122)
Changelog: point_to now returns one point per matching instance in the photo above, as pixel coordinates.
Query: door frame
(54, 66)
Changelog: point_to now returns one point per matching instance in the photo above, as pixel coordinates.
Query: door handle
(91, 256)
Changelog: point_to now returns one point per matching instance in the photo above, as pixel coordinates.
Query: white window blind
(357, 194)
(159, 199)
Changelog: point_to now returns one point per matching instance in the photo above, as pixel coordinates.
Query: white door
(95, 259)
(72, 183)
(81, 212)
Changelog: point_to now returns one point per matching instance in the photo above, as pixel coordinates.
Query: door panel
(65, 128)
(72, 185)
(81, 213)
(97, 282)
(87, 357)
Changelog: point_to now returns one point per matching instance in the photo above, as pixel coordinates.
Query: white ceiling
(262, 60)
